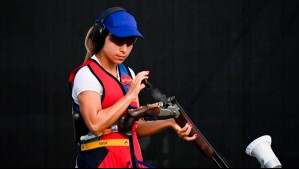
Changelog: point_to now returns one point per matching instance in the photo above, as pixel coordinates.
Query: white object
(261, 149)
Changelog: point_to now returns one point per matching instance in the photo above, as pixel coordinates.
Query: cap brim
(125, 32)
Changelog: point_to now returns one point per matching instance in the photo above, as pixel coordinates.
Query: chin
(119, 61)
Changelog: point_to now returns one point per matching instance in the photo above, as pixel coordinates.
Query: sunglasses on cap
(120, 41)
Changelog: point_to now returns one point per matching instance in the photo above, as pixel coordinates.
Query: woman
(103, 89)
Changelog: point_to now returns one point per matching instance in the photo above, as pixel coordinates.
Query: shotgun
(172, 109)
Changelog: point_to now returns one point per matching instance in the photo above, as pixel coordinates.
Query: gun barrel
(201, 142)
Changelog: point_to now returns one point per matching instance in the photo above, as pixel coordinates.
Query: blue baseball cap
(122, 24)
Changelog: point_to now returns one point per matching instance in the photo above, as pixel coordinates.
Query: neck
(108, 66)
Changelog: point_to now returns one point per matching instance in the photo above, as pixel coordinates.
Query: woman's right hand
(136, 84)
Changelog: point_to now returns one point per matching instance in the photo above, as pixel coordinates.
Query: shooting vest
(113, 90)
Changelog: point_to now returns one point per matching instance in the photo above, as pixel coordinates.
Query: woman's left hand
(184, 132)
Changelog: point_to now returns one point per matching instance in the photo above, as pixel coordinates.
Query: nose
(123, 48)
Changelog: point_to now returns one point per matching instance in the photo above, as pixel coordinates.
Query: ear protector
(99, 25)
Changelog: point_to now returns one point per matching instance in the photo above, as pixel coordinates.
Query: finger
(141, 76)
(136, 82)
(191, 138)
(143, 73)
(189, 129)
(185, 131)
(185, 128)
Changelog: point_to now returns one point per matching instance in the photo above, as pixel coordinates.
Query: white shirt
(86, 81)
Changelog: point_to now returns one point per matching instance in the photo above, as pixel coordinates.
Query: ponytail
(89, 45)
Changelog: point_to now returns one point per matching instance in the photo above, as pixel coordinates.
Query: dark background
(231, 64)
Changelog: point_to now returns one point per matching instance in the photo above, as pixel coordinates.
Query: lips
(121, 57)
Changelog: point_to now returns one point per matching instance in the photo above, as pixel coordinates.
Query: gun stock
(201, 142)
(143, 111)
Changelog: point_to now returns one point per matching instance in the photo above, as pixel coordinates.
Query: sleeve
(85, 81)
